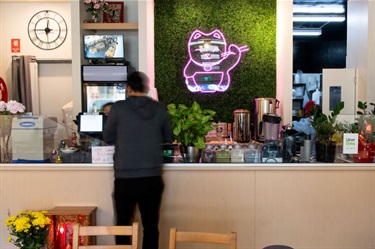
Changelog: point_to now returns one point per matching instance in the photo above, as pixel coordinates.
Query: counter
(301, 205)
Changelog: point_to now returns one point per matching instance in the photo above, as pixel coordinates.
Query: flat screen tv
(103, 46)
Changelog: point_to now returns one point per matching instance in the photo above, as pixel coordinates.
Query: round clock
(47, 29)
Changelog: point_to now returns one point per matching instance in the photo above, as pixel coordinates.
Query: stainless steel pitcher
(241, 126)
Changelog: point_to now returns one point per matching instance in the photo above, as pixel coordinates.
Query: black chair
(277, 247)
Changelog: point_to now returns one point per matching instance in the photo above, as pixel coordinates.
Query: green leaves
(190, 124)
(323, 124)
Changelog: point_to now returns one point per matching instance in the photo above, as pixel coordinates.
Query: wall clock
(47, 30)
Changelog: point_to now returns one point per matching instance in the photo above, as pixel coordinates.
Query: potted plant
(365, 124)
(28, 230)
(190, 126)
(325, 128)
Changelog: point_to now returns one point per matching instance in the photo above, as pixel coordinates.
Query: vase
(95, 18)
(190, 154)
(5, 138)
(366, 153)
(325, 152)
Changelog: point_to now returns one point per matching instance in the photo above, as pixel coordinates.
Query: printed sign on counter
(102, 154)
(350, 144)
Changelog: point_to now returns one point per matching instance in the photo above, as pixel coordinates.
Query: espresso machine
(271, 150)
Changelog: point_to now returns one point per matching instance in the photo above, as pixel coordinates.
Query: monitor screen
(103, 46)
(91, 123)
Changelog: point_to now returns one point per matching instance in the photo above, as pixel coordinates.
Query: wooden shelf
(110, 26)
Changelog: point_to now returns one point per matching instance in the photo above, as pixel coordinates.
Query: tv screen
(91, 123)
(103, 46)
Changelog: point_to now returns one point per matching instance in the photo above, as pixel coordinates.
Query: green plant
(365, 122)
(190, 124)
(30, 228)
(323, 124)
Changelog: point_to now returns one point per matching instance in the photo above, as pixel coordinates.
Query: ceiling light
(307, 32)
(337, 9)
(318, 18)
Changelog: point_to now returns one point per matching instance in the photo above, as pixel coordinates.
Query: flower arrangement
(366, 122)
(30, 229)
(12, 107)
(95, 7)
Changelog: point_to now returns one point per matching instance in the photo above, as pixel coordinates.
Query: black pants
(147, 192)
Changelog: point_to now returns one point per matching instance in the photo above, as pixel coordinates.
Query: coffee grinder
(271, 150)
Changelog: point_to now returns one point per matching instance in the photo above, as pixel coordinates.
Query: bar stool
(277, 247)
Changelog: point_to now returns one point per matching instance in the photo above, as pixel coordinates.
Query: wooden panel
(315, 209)
(209, 201)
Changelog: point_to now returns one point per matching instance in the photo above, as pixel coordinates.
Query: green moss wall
(243, 22)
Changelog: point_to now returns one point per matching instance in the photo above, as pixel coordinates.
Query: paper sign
(350, 143)
(102, 154)
(16, 45)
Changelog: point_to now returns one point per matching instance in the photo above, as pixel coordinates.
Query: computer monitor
(91, 124)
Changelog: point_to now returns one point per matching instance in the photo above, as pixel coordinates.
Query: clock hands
(47, 29)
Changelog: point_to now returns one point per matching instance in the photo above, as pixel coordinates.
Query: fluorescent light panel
(323, 9)
(318, 18)
(307, 32)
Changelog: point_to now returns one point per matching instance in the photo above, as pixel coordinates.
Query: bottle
(208, 155)
(251, 154)
(237, 154)
(223, 155)
(307, 148)
(73, 140)
(94, 109)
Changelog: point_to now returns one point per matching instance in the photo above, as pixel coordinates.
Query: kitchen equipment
(262, 106)
(271, 124)
(271, 150)
(241, 127)
(289, 144)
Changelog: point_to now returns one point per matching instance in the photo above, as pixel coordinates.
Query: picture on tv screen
(103, 46)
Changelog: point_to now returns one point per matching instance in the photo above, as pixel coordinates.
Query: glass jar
(223, 154)
(237, 154)
(208, 155)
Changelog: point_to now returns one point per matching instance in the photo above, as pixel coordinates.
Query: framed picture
(115, 14)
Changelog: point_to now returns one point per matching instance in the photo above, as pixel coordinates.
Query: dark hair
(107, 104)
(138, 82)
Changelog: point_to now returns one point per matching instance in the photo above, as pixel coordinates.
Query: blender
(271, 150)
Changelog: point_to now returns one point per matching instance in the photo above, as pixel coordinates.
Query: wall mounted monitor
(104, 46)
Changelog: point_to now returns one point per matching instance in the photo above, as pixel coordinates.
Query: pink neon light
(210, 62)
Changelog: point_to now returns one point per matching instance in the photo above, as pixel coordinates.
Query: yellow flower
(30, 228)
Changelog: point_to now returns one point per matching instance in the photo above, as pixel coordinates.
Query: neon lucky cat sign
(210, 62)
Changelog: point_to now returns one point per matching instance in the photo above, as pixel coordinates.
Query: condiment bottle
(208, 155)
(223, 154)
(237, 154)
(251, 154)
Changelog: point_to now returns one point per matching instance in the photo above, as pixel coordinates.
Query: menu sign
(102, 154)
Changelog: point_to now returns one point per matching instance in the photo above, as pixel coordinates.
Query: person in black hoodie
(138, 126)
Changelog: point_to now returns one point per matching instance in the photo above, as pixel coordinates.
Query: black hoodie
(137, 127)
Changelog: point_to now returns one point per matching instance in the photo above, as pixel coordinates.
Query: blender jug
(271, 124)
(263, 106)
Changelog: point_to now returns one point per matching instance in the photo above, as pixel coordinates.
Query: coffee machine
(271, 150)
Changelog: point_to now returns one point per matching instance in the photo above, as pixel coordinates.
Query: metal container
(263, 106)
(241, 126)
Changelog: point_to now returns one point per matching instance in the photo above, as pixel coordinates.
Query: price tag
(102, 154)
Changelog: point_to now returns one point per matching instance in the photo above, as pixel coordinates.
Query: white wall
(55, 79)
